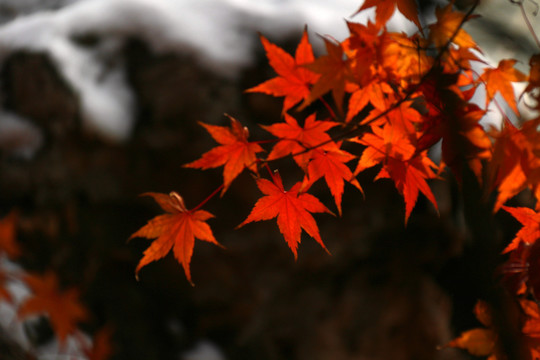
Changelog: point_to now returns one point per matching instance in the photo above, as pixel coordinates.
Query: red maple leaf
(294, 80)
(375, 93)
(295, 139)
(500, 80)
(385, 9)
(530, 231)
(521, 272)
(448, 27)
(176, 230)
(512, 162)
(292, 209)
(403, 58)
(330, 164)
(453, 119)
(362, 49)
(235, 152)
(61, 306)
(400, 162)
(334, 70)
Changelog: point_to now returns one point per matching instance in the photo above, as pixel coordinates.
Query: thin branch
(208, 198)
(529, 25)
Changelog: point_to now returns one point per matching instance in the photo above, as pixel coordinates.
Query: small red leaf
(235, 152)
(292, 209)
(176, 230)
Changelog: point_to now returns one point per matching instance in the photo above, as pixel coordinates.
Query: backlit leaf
(330, 164)
(292, 209)
(294, 80)
(530, 232)
(235, 152)
(176, 230)
(295, 139)
(447, 27)
(500, 80)
(385, 9)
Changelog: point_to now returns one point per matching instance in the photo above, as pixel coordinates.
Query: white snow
(221, 34)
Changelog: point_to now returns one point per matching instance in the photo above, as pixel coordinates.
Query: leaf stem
(329, 108)
(269, 171)
(208, 198)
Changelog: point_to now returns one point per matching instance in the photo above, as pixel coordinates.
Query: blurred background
(99, 103)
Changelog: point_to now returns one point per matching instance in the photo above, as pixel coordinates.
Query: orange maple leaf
(448, 28)
(479, 341)
(175, 230)
(512, 162)
(531, 325)
(293, 81)
(385, 9)
(530, 231)
(235, 152)
(375, 92)
(62, 306)
(8, 242)
(362, 49)
(292, 209)
(330, 164)
(500, 79)
(407, 168)
(461, 64)
(295, 139)
(334, 70)
(405, 57)
(456, 121)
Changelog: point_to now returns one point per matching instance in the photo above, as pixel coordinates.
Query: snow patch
(221, 34)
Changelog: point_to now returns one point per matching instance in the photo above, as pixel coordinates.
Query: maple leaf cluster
(397, 96)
